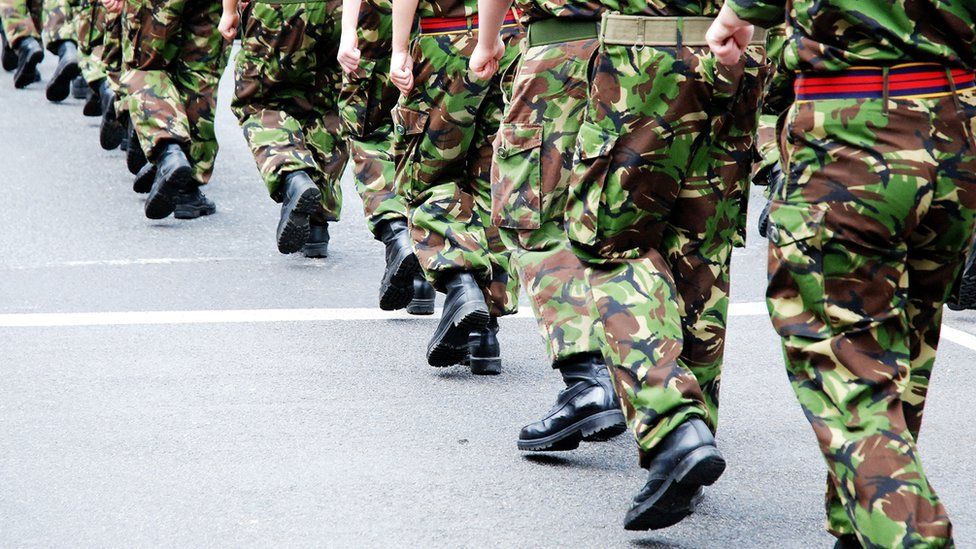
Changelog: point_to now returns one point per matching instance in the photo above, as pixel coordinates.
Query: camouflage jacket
(534, 10)
(447, 8)
(832, 35)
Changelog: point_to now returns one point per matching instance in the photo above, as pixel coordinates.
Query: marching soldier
(663, 143)
(365, 102)
(61, 35)
(445, 123)
(170, 75)
(867, 236)
(530, 182)
(286, 101)
(21, 21)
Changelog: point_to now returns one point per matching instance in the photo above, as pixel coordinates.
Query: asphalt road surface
(323, 425)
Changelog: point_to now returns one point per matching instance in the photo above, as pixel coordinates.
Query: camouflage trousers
(21, 19)
(286, 95)
(530, 183)
(112, 53)
(170, 75)
(664, 157)
(445, 128)
(60, 25)
(90, 24)
(365, 102)
(866, 239)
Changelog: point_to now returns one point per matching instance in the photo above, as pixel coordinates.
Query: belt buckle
(640, 43)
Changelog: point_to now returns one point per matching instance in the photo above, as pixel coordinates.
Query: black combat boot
(317, 246)
(396, 288)
(683, 462)
(29, 55)
(144, 179)
(484, 351)
(135, 157)
(8, 57)
(59, 86)
(964, 291)
(299, 199)
(848, 541)
(173, 176)
(587, 409)
(79, 88)
(423, 297)
(126, 128)
(464, 312)
(93, 105)
(192, 203)
(111, 132)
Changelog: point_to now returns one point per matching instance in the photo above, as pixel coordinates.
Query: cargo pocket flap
(518, 138)
(408, 121)
(594, 141)
(790, 224)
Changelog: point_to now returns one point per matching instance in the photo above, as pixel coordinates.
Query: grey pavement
(333, 433)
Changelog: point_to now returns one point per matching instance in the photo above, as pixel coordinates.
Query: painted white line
(236, 316)
(959, 337)
(127, 262)
(342, 314)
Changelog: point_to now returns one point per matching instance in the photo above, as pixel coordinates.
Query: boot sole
(161, 204)
(59, 88)
(397, 292)
(294, 234)
(184, 212)
(596, 428)
(110, 133)
(675, 499)
(421, 307)
(451, 346)
(26, 77)
(143, 185)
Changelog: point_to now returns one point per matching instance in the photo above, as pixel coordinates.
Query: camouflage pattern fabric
(170, 75)
(365, 102)
(448, 8)
(535, 10)
(530, 182)
(112, 54)
(836, 35)
(60, 24)
(664, 158)
(445, 127)
(286, 95)
(21, 19)
(866, 240)
(90, 24)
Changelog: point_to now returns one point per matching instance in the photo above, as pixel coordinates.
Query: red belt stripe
(870, 83)
(436, 25)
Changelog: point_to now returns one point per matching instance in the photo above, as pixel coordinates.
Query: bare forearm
(403, 14)
(491, 15)
(230, 6)
(350, 15)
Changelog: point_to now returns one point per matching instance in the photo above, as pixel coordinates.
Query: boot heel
(486, 366)
(421, 307)
(702, 467)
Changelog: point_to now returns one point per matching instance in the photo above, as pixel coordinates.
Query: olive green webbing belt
(556, 30)
(628, 30)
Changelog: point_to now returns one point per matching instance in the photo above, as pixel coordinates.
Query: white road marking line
(341, 314)
(126, 262)
(959, 337)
